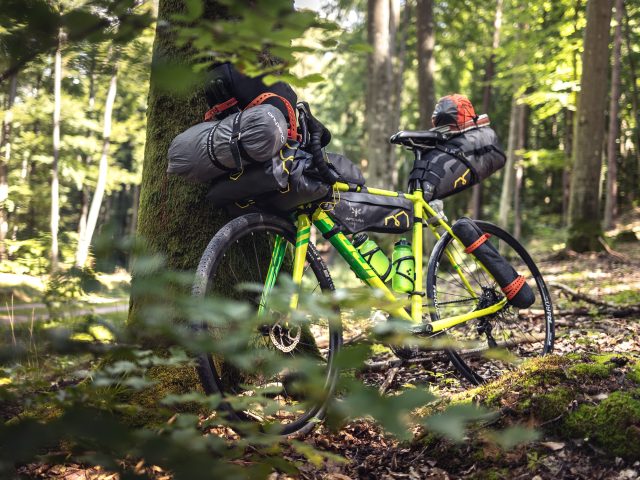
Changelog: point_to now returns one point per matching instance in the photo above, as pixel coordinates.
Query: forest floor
(584, 400)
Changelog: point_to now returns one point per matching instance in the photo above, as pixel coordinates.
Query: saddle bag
(459, 163)
(359, 212)
(518, 292)
(209, 150)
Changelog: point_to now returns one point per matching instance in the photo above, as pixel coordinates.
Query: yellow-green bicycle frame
(363, 270)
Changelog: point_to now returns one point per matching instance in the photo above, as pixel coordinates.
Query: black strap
(234, 142)
(334, 231)
(459, 154)
(211, 150)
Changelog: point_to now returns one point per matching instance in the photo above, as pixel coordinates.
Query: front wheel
(486, 347)
(256, 391)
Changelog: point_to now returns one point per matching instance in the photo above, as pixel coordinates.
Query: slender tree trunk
(55, 200)
(5, 157)
(426, 34)
(86, 158)
(635, 100)
(508, 179)
(611, 198)
(489, 71)
(584, 206)
(398, 85)
(566, 171)
(521, 144)
(96, 201)
(379, 92)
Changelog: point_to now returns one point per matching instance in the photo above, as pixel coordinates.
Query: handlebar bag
(210, 150)
(459, 163)
(513, 285)
(359, 212)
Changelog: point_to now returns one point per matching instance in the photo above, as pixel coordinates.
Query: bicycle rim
(486, 347)
(271, 398)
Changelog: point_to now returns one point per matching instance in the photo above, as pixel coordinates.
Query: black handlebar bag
(363, 212)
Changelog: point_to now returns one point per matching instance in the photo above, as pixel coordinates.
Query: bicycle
(462, 299)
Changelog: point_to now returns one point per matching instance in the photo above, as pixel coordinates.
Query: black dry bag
(514, 286)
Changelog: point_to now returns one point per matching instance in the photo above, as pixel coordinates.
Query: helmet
(454, 111)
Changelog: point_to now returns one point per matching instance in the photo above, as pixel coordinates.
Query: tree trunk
(566, 172)
(5, 157)
(379, 91)
(55, 200)
(489, 71)
(96, 201)
(635, 100)
(426, 34)
(584, 205)
(86, 159)
(521, 144)
(508, 179)
(398, 85)
(173, 219)
(611, 199)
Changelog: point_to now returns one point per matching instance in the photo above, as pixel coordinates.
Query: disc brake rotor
(283, 338)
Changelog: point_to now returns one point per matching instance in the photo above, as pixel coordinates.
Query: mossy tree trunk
(584, 201)
(174, 219)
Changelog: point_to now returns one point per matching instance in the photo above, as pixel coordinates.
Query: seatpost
(415, 184)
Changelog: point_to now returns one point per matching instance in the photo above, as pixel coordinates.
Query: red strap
(483, 238)
(219, 108)
(292, 131)
(514, 287)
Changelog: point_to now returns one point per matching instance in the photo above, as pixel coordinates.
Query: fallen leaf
(553, 445)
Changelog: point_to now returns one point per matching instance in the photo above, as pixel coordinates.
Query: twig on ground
(388, 380)
(581, 296)
(612, 252)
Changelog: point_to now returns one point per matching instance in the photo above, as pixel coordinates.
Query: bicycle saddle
(417, 138)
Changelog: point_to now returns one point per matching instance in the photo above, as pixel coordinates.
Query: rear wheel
(240, 252)
(486, 347)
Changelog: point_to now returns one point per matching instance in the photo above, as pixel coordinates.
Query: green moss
(589, 371)
(634, 373)
(169, 380)
(551, 405)
(613, 424)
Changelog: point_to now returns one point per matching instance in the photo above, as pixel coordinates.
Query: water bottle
(405, 267)
(375, 257)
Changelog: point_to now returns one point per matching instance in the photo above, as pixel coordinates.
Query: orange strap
(514, 287)
(483, 238)
(292, 131)
(221, 107)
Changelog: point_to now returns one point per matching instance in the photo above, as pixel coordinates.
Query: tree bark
(584, 205)
(55, 200)
(174, 220)
(398, 85)
(489, 71)
(426, 61)
(96, 201)
(635, 99)
(379, 91)
(508, 179)
(611, 199)
(5, 157)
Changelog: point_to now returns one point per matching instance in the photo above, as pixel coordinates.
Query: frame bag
(208, 150)
(514, 286)
(359, 212)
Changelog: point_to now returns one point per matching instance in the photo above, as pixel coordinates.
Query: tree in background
(379, 92)
(584, 202)
(55, 182)
(426, 36)
(611, 193)
(5, 158)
